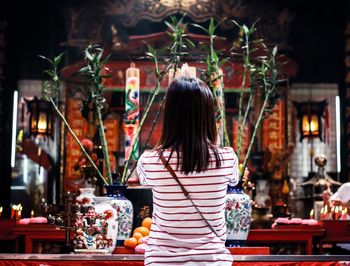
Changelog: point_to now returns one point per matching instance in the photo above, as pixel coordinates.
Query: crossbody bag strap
(171, 171)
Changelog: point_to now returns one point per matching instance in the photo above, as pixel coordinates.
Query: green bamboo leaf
(274, 51)
(223, 61)
(170, 26)
(88, 55)
(200, 27)
(51, 73)
(211, 27)
(84, 69)
(105, 60)
(236, 23)
(190, 42)
(43, 57)
(57, 59)
(245, 28)
(215, 57)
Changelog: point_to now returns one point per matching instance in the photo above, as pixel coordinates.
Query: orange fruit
(130, 242)
(139, 241)
(143, 230)
(137, 235)
(147, 222)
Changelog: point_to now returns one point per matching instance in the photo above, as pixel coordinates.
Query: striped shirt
(179, 236)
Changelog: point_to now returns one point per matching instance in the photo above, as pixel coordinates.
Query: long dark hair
(189, 124)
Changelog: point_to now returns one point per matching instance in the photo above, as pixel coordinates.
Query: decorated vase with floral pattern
(96, 227)
(238, 214)
(125, 211)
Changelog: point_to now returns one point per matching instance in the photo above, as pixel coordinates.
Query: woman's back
(179, 235)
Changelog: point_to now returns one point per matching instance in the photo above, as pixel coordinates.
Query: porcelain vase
(125, 211)
(86, 196)
(96, 227)
(238, 216)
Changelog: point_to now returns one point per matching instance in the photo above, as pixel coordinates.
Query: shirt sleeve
(141, 171)
(338, 196)
(234, 178)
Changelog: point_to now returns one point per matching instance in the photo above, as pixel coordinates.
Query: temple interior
(82, 92)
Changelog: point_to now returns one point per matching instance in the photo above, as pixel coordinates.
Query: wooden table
(336, 231)
(44, 232)
(137, 260)
(292, 234)
(39, 232)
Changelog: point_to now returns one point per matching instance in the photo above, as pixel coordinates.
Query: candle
(0, 211)
(343, 215)
(32, 213)
(326, 212)
(19, 215)
(312, 214)
(322, 213)
(345, 212)
(13, 209)
(132, 110)
(336, 211)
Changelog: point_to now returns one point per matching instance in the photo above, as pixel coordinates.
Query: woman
(179, 234)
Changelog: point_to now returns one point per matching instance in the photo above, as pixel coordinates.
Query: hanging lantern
(310, 116)
(40, 117)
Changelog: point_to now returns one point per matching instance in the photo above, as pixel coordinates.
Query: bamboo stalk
(257, 125)
(240, 109)
(77, 140)
(104, 146)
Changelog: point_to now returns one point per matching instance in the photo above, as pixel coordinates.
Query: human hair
(189, 124)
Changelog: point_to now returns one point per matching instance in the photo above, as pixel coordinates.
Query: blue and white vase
(238, 215)
(124, 209)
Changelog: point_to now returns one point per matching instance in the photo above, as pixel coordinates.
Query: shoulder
(149, 155)
(345, 186)
(227, 151)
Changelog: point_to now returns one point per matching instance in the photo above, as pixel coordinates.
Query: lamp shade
(40, 117)
(310, 118)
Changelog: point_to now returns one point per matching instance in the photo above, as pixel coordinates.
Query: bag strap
(171, 171)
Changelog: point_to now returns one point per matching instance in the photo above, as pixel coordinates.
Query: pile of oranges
(140, 235)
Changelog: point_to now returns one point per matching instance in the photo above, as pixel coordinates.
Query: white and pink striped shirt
(179, 236)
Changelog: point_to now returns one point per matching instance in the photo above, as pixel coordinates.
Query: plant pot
(238, 214)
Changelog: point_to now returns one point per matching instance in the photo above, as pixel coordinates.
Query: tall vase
(86, 196)
(125, 211)
(238, 214)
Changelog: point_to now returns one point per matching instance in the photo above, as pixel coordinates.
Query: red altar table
(293, 234)
(259, 237)
(137, 260)
(44, 232)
